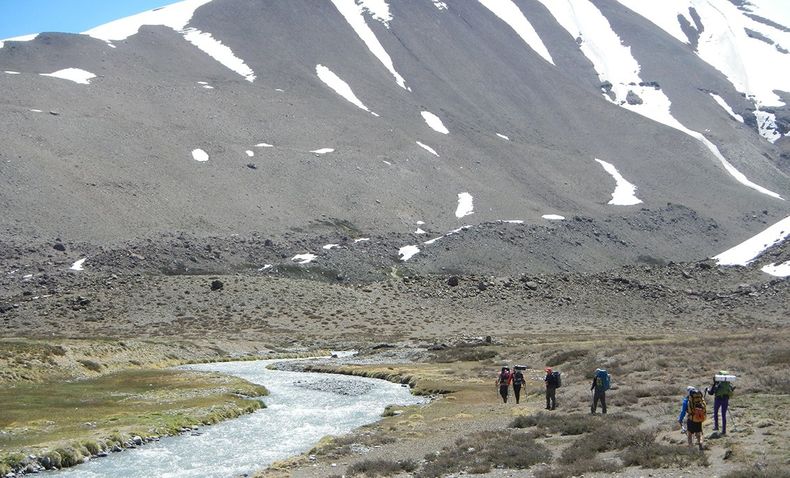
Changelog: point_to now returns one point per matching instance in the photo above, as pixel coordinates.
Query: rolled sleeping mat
(724, 378)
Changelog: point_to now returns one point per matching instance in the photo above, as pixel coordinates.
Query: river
(301, 409)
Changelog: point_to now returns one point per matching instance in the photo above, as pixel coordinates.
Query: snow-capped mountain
(664, 124)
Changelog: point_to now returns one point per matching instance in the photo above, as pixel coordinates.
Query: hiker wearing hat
(693, 406)
(551, 389)
(503, 382)
(722, 391)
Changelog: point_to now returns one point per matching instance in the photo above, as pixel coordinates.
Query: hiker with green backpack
(695, 408)
(722, 389)
(600, 384)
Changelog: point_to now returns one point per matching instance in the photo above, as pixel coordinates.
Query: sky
(22, 17)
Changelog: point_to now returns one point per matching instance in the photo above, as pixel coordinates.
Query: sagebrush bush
(656, 455)
(755, 472)
(573, 423)
(579, 468)
(381, 467)
(608, 437)
(482, 451)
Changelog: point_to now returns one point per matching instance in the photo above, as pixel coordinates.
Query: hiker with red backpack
(695, 408)
(503, 380)
(722, 389)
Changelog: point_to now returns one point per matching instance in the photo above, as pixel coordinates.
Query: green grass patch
(76, 418)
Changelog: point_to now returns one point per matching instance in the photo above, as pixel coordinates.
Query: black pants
(503, 392)
(517, 391)
(598, 395)
(551, 398)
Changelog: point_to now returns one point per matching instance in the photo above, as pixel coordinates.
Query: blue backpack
(602, 380)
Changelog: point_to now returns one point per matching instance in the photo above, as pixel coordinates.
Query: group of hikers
(693, 408)
(553, 381)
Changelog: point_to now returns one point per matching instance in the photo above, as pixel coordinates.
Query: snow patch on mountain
(339, 86)
(727, 107)
(76, 75)
(353, 14)
(199, 155)
(250, 153)
(503, 136)
(264, 145)
(427, 148)
(465, 205)
(304, 258)
(215, 49)
(328, 247)
(752, 66)
(434, 122)
(78, 265)
(407, 252)
(614, 64)
(766, 125)
(509, 13)
(9, 72)
(748, 250)
(323, 150)
(553, 217)
(175, 16)
(781, 270)
(439, 5)
(378, 9)
(624, 192)
(775, 10)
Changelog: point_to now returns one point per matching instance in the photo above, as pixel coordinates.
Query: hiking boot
(700, 447)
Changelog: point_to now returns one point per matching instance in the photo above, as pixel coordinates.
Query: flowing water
(302, 408)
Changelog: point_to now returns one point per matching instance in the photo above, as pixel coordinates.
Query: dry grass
(482, 451)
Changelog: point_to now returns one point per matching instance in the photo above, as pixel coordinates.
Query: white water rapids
(301, 409)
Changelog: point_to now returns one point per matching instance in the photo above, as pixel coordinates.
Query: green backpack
(724, 389)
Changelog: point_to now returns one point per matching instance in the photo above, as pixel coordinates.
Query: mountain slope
(529, 97)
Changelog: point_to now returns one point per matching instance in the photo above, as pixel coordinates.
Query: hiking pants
(599, 395)
(503, 392)
(720, 403)
(517, 391)
(551, 398)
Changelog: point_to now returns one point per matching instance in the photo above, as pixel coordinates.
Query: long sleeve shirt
(683, 409)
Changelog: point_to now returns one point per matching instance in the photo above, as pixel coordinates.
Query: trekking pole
(732, 419)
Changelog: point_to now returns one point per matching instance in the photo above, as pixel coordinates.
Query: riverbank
(59, 424)
(469, 430)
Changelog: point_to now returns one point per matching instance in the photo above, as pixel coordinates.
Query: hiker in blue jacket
(693, 405)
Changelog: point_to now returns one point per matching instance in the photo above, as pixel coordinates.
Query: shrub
(579, 469)
(381, 467)
(572, 424)
(608, 437)
(761, 472)
(657, 455)
(464, 353)
(479, 452)
(566, 356)
(69, 457)
(91, 365)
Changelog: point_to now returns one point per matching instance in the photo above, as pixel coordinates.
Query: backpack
(557, 379)
(602, 380)
(504, 378)
(518, 378)
(697, 409)
(723, 389)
